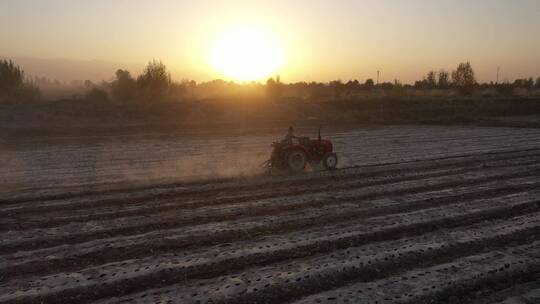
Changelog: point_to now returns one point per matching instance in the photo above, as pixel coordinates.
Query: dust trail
(213, 162)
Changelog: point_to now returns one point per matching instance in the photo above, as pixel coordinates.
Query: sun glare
(246, 54)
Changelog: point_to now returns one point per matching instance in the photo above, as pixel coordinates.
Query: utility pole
(381, 107)
(498, 70)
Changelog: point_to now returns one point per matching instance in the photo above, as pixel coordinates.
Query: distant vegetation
(13, 84)
(153, 97)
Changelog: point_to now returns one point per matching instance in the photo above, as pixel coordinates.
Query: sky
(320, 40)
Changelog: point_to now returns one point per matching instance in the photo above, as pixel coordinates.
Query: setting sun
(246, 54)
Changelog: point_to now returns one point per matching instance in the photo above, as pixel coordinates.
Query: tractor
(294, 153)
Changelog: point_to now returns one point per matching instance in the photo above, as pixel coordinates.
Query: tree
(14, 86)
(505, 88)
(338, 87)
(431, 79)
(154, 82)
(369, 83)
(11, 77)
(444, 79)
(351, 86)
(124, 86)
(274, 88)
(526, 83)
(529, 83)
(386, 86)
(463, 78)
(89, 84)
(421, 84)
(537, 84)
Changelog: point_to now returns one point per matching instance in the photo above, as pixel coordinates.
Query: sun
(246, 54)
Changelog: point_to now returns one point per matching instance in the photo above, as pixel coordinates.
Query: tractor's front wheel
(296, 160)
(330, 161)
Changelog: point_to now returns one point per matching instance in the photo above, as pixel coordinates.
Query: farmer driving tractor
(290, 136)
(294, 156)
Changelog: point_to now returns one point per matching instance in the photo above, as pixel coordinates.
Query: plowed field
(414, 215)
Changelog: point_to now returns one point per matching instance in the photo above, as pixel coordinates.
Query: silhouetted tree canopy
(274, 88)
(527, 83)
(369, 83)
(338, 87)
(444, 79)
(13, 86)
(386, 86)
(463, 77)
(123, 87)
(154, 82)
(11, 76)
(431, 79)
(351, 86)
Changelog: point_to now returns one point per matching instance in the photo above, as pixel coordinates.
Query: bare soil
(413, 215)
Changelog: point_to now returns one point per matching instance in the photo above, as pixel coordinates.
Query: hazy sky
(322, 40)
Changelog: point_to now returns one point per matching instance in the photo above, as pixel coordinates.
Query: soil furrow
(524, 291)
(427, 221)
(92, 285)
(210, 189)
(45, 219)
(293, 279)
(445, 283)
(74, 233)
(110, 249)
(396, 227)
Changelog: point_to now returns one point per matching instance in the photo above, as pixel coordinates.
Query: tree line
(155, 84)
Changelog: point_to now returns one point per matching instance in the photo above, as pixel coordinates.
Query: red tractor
(294, 153)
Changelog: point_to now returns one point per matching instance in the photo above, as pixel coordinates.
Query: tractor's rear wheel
(296, 160)
(330, 161)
